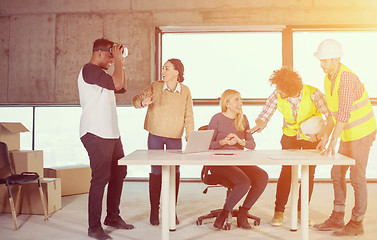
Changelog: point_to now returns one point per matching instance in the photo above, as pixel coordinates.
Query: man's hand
(322, 145)
(339, 126)
(117, 51)
(259, 125)
(312, 137)
(330, 148)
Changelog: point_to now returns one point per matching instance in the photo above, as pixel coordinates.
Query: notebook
(198, 141)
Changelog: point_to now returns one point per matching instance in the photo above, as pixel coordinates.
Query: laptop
(198, 141)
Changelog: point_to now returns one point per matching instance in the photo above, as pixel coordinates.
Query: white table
(169, 158)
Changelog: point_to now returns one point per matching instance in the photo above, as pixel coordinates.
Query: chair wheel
(198, 222)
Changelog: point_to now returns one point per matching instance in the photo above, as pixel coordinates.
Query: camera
(124, 53)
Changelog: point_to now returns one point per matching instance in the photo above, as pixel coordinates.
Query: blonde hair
(239, 121)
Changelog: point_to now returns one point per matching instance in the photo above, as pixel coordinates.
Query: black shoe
(220, 220)
(118, 223)
(154, 198)
(154, 218)
(98, 233)
(242, 221)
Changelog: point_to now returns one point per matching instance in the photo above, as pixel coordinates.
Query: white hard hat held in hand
(328, 49)
(312, 125)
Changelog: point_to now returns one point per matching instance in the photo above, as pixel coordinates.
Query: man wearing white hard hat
(355, 125)
(302, 107)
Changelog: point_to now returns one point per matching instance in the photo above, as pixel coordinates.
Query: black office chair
(212, 180)
(9, 178)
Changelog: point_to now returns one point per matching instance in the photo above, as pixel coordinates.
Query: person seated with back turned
(230, 127)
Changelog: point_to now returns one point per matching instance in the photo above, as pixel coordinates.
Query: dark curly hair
(178, 65)
(287, 81)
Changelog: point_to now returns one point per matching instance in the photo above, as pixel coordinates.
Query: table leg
(305, 202)
(294, 198)
(165, 202)
(172, 198)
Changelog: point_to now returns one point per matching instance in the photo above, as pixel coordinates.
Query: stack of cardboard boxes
(56, 182)
(75, 178)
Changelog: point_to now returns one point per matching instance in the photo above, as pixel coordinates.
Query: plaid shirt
(269, 109)
(350, 89)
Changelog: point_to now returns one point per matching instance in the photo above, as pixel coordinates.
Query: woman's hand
(232, 139)
(147, 99)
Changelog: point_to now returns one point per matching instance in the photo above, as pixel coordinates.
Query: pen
(254, 131)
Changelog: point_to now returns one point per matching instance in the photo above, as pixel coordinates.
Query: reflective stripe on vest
(306, 110)
(362, 121)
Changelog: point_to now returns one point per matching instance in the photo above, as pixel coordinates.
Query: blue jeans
(157, 142)
(358, 150)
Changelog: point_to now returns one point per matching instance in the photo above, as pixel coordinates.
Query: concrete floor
(71, 221)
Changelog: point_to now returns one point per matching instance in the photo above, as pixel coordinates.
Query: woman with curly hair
(297, 102)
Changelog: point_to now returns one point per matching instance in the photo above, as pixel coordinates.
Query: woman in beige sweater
(169, 112)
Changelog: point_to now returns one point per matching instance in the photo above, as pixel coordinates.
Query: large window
(218, 61)
(359, 48)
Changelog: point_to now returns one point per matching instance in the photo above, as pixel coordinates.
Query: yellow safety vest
(306, 110)
(362, 121)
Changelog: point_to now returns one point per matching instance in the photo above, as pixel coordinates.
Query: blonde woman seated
(230, 127)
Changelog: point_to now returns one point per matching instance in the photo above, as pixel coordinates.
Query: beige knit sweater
(169, 113)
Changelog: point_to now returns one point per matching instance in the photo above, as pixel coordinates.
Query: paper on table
(284, 157)
(292, 154)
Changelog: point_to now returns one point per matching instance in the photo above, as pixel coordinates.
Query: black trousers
(104, 155)
(283, 187)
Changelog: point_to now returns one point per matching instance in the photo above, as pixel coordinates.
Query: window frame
(287, 32)
(214, 29)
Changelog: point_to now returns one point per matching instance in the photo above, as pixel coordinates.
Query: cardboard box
(30, 202)
(10, 134)
(27, 161)
(75, 178)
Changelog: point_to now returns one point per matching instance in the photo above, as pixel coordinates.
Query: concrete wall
(44, 43)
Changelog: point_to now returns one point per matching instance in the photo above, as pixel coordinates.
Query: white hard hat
(312, 125)
(328, 49)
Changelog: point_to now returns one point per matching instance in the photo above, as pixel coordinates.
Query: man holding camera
(99, 133)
